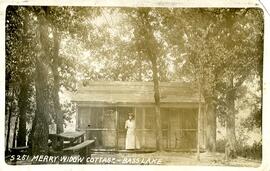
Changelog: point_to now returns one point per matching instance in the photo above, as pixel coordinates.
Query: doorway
(122, 116)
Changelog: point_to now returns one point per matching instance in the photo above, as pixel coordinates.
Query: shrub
(220, 145)
(253, 151)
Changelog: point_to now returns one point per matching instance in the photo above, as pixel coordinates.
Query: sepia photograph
(101, 85)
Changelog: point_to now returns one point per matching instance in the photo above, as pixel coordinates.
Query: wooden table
(79, 146)
(70, 136)
(75, 144)
(66, 139)
(83, 149)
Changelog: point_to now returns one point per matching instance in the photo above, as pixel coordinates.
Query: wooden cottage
(103, 107)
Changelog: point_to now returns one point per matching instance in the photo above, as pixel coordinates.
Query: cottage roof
(135, 92)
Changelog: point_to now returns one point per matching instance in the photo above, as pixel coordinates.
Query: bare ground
(182, 158)
(166, 158)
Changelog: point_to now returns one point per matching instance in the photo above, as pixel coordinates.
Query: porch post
(116, 128)
(77, 117)
(199, 125)
(143, 127)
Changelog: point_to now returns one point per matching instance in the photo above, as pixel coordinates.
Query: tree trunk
(40, 131)
(231, 138)
(199, 121)
(23, 96)
(15, 131)
(8, 127)
(150, 49)
(40, 124)
(9, 119)
(157, 105)
(140, 68)
(230, 124)
(56, 86)
(22, 102)
(211, 126)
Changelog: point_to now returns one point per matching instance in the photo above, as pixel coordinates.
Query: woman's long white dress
(132, 141)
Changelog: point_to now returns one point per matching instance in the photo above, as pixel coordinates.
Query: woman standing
(132, 141)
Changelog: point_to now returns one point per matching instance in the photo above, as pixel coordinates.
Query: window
(150, 121)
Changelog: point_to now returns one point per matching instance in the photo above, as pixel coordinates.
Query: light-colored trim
(163, 105)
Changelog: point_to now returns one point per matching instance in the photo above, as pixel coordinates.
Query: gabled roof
(135, 92)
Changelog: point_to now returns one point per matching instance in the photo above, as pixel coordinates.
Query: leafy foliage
(220, 47)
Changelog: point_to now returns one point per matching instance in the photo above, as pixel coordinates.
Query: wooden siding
(135, 92)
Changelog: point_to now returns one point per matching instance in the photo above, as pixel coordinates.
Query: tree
(190, 31)
(25, 83)
(64, 21)
(19, 66)
(223, 41)
(148, 46)
(242, 45)
(40, 127)
(67, 21)
(212, 47)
